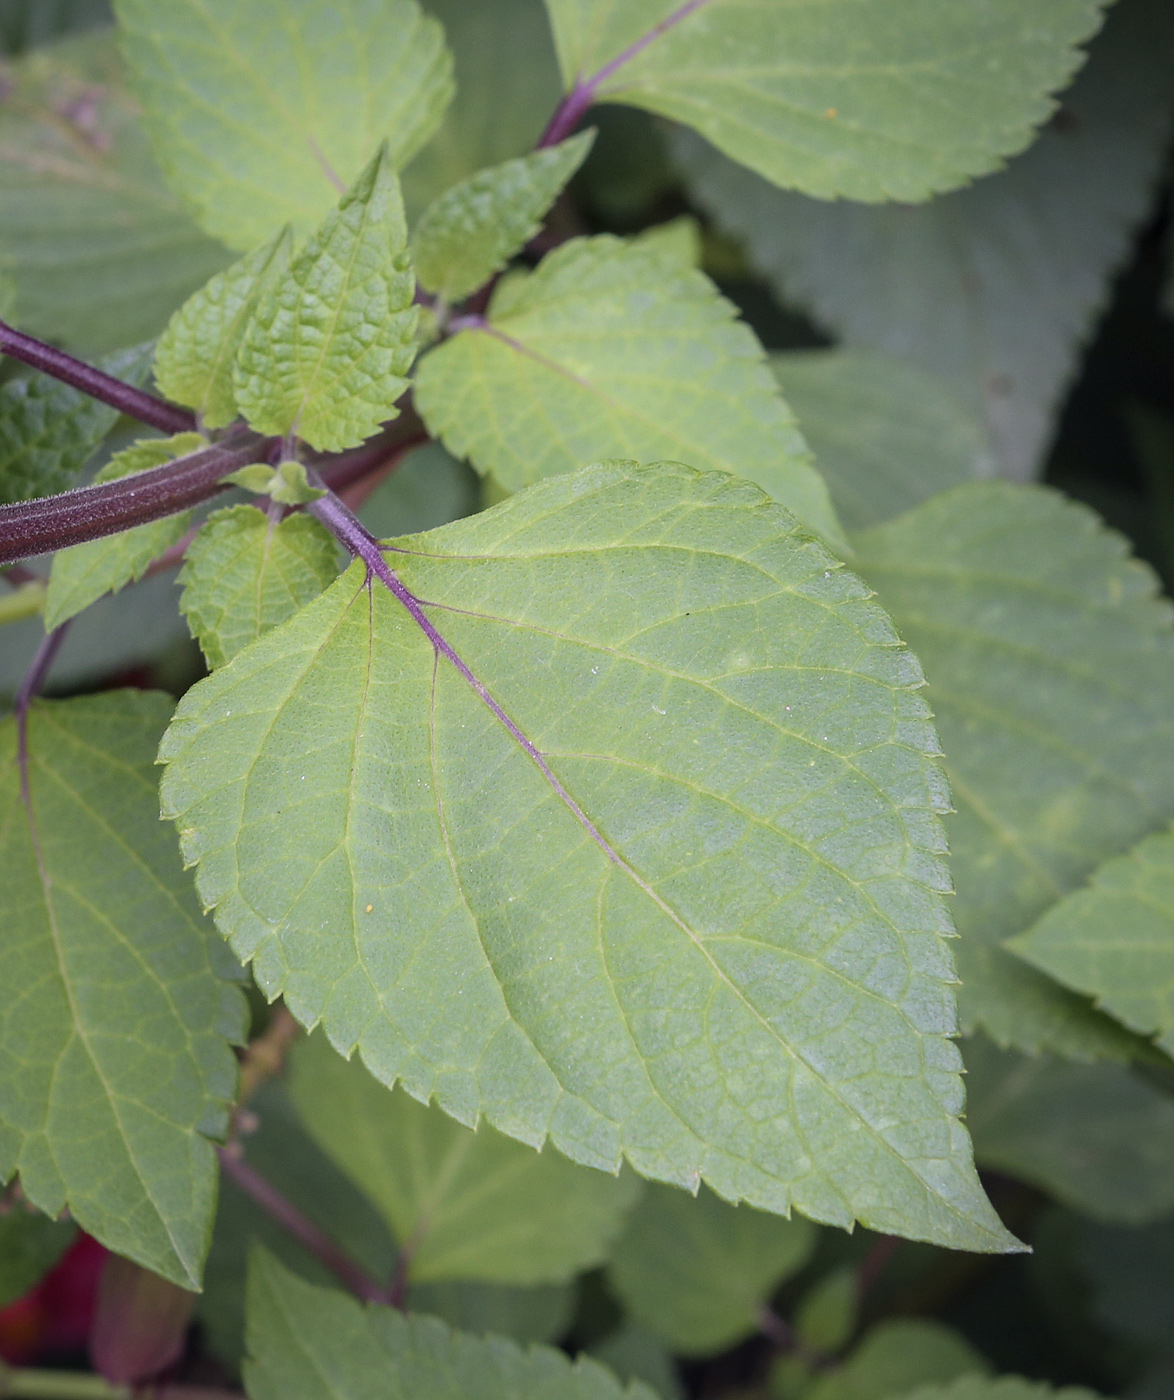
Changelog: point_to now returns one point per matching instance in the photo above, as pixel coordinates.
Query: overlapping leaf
(114, 1023)
(261, 116)
(889, 99)
(995, 287)
(30, 1244)
(895, 1357)
(1050, 661)
(611, 350)
(707, 939)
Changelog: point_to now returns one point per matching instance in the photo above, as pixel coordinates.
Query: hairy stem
(168, 418)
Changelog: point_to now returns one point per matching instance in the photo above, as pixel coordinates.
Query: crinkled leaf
(897, 1355)
(886, 436)
(610, 350)
(1114, 939)
(244, 574)
(998, 286)
(260, 115)
(1050, 662)
(887, 99)
(101, 251)
(708, 939)
(472, 230)
(1096, 1137)
(194, 360)
(308, 1343)
(30, 1244)
(327, 348)
(696, 1271)
(463, 1204)
(84, 572)
(1000, 1388)
(115, 1064)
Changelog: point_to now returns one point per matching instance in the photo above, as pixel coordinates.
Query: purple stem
(95, 382)
(582, 95)
(34, 678)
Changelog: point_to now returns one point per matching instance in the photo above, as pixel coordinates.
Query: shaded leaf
(1000, 1388)
(635, 1354)
(611, 350)
(260, 117)
(24, 24)
(895, 1356)
(427, 489)
(115, 1064)
(538, 1313)
(828, 1312)
(756, 848)
(30, 1244)
(1131, 1273)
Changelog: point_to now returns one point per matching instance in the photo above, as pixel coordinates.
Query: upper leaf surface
(261, 114)
(1114, 939)
(325, 351)
(612, 350)
(472, 231)
(708, 939)
(1050, 660)
(885, 99)
(697, 1271)
(114, 1023)
(462, 1203)
(308, 1343)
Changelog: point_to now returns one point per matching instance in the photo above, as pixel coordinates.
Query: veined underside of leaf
(640, 852)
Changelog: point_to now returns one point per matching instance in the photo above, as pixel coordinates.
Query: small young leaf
(327, 348)
(84, 572)
(288, 483)
(472, 231)
(243, 574)
(260, 115)
(308, 1343)
(888, 100)
(756, 847)
(115, 1065)
(463, 1204)
(610, 350)
(194, 360)
(30, 1244)
(828, 1312)
(897, 1355)
(697, 1271)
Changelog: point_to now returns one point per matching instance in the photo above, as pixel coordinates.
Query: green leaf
(998, 287)
(610, 350)
(1114, 939)
(756, 847)
(878, 101)
(308, 1343)
(243, 575)
(327, 348)
(679, 239)
(828, 1312)
(536, 1314)
(886, 436)
(288, 483)
(193, 364)
(463, 1204)
(897, 1355)
(24, 24)
(48, 431)
(1000, 1388)
(635, 1354)
(696, 1271)
(100, 250)
(260, 116)
(115, 1065)
(1096, 1137)
(30, 1244)
(474, 229)
(84, 572)
(1050, 660)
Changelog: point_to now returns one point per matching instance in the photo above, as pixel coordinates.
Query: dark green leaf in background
(897, 1355)
(30, 1244)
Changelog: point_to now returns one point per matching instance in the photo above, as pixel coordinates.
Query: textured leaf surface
(886, 99)
(1050, 660)
(30, 1244)
(708, 939)
(896, 1356)
(995, 287)
(1114, 940)
(101, 251)
(308, 1343)
(194, 360)
(610, 350)
(1001, 1388)
(463, 1204)
(697, 1271)
(114, 1023)
(326, 350)
(262, 114)
(84, 572)
(244, 574)
(1096, 1137)
(886, 436)
(472, 230)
